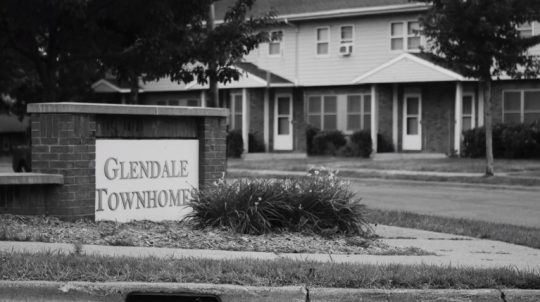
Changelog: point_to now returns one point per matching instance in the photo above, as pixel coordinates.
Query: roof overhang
(408, 68)
(352, 12)
(111, 87)
(247, 80)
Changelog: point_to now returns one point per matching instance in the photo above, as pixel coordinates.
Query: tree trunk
(134, 95)
(213, 100)
(486, 86)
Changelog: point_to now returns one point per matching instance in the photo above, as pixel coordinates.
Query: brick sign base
(64, 142)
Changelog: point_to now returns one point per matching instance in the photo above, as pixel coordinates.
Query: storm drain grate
(162, 297)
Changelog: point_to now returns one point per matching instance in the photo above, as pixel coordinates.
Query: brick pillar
(211, 132)
(66, 144)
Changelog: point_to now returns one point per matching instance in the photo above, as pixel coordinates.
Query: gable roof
(251, 77)
(313, 9)
(262, 73)
(408, 68)
(112, 85)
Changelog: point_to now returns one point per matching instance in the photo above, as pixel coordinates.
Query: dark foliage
(319, 204)
(328, 142)
(359, 145)
(311, 131)
(235, 144)
(384, 145)
(509, 141)
(255, 144)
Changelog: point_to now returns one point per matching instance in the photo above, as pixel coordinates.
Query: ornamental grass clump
(319, 203)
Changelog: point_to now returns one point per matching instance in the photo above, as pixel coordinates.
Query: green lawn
(514, 234)
(55, 266)
(436, 165)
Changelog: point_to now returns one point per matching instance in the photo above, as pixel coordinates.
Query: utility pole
(213, 100)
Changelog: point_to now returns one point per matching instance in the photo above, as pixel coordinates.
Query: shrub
(359, 145)
(235, 144)
(384, 145)
(255, 144)
(311, 131)
(327, 142)
(509, 141)
(319, 203)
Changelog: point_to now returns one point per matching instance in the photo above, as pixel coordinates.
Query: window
(358, 112)
(323, 41)
(275, 46)
(322, 112)
(347, 34)
(405, 35)
(468, 112)
(526, 30)
(184, 102)
(521, 106)
(193, 103)
(236, 111)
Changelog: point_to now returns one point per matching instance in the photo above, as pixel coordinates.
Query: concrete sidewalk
(451, 250)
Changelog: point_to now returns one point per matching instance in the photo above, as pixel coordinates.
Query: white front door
(412, 114)
(283, 113)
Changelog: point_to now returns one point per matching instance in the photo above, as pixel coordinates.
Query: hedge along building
(355, 65)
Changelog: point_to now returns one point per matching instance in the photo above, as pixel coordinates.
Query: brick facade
(65, 144)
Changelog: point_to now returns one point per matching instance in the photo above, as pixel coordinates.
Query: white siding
(283, 65)
(245, 81)
(164, 84)
(371, 49)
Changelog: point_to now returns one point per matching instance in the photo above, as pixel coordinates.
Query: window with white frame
(276, 45)
(521, 106)
(236, 112)
(347, 34)
(358, 112)
(405, 35)
(525, 30)
(468, 106)
(323, 41)
(322, 112)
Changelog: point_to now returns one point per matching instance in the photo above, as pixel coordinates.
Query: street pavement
(493, 203)
(500, 205)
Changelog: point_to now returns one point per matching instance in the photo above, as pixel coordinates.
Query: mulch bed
(172, 234)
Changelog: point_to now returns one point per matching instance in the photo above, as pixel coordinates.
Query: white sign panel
(145, 179)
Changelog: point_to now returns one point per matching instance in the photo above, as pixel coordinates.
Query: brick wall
(385, 94)
(212, 132)
(66, 144)
(438, 111)
(299, 121)
(256, 114)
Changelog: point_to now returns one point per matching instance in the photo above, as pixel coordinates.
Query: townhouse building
(351, 65)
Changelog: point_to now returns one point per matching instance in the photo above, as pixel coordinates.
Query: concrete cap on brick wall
(91, 108)
(30, 179)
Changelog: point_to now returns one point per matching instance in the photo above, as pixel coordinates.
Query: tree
(131, 38)
(480, 38)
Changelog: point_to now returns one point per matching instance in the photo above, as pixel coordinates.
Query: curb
(96, 292)
(393, 181)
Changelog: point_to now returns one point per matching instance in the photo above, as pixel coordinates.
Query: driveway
(519, 207)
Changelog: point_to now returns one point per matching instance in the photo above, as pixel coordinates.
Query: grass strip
(495, 180)
(520, 235)
(55, 266)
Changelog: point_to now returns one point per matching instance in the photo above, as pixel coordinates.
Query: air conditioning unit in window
(345, 49)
